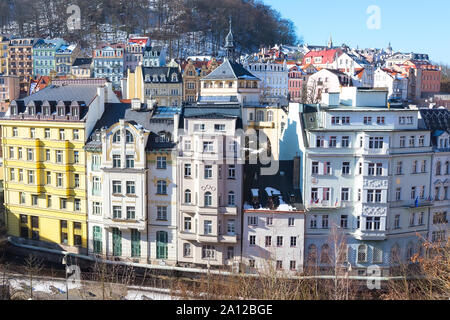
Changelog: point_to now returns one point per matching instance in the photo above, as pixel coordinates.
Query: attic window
(75, 112)
(60, 111)
(155, 78)
(46, 111)
(174, 77)
(147, 77)
(163, 78)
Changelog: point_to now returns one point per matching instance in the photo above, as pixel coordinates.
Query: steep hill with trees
(201, 24)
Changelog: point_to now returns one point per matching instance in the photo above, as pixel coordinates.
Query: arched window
(259, 115)
(362, 253)
(163, 136)
(409, 251)
(438, 168)
(395, 254)
(231, 198)
(208, 199)
(117, 137)
(312, 254)
(325, 254)
(187, 196)
(129, 137)
(174, 77)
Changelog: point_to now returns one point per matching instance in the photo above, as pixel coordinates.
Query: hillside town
(234, 162)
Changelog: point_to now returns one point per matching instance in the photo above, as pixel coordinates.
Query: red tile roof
(327, 55)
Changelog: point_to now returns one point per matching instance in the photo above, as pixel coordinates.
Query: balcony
(232, 211)
(411, 203)
(261, 124)
(189, 236)
(125, 224)
(232, 239)
(370, 235)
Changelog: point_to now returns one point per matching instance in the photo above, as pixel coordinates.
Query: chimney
(135, 104)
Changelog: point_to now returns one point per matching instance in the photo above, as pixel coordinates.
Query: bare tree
(33, 266)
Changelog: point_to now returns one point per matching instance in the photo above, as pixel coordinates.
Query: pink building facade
(9, 91)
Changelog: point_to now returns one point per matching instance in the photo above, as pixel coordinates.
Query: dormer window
(61, 111)
(163, 137)
(155, 78)
(147, 77)
(31, 110)
(174, 77)
(163, 78)
(46, 110)
(75, 112)
(14, 111)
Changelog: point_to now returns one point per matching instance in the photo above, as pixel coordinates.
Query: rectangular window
(47, 133)
(344, 221)
(268, 241)
(130, 161)
(325, 221)
(117, 212)
(291, 222)
(76, 135)
(187, 169)
(207, 227)
(62, 135)
(231, 172)
(117, 187)
(376, 143)
(47, 155)
(63, 203)
(76, 157)
(208, 146)
(345, 142)
(30, 177)
(76, 180)
(208, 172)
(345, 194)
(59, 156)
(161, 163)
(77, 205)
(116, 161)
(131, 213)
(162, 213)
(30, 154)
(279, 241)
(96, 208)
(293, 242)
(333, 142)
(346, 168)
(315, 168)
(187, 224)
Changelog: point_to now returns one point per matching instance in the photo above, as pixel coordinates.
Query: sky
(411, 26)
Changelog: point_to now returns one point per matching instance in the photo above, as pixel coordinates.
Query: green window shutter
(161, 245)
(117, 242)
(135, 243)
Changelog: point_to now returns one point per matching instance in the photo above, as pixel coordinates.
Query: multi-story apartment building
(163, 84)
(21, 60)
(4, 55)
(437, 120)
(192, 72)
(273, 220)
(163, 188)
(298, 80)
(326, 81)
(44, 56)
(274, 79)
(395, 82)
(366, 176)
(9, 90)
(132, 184)
(65, 57)
(108, 60)
(117, 183)
(134, 52)
(154, 56)
(44, 165)
(82, 68)
(210, 173)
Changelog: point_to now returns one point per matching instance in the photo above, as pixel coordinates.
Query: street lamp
(349, 269)
(64, 262)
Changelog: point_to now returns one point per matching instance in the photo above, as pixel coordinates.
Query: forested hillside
(202, 24)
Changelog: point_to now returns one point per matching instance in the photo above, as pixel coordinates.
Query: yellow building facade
(45, 188)
(45, 162)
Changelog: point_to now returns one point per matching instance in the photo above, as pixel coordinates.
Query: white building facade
(367, 172)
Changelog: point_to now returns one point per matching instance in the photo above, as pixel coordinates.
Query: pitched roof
(230, 70)
(158, 71)
(327, 55)
(81, 62)
(265, 186)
